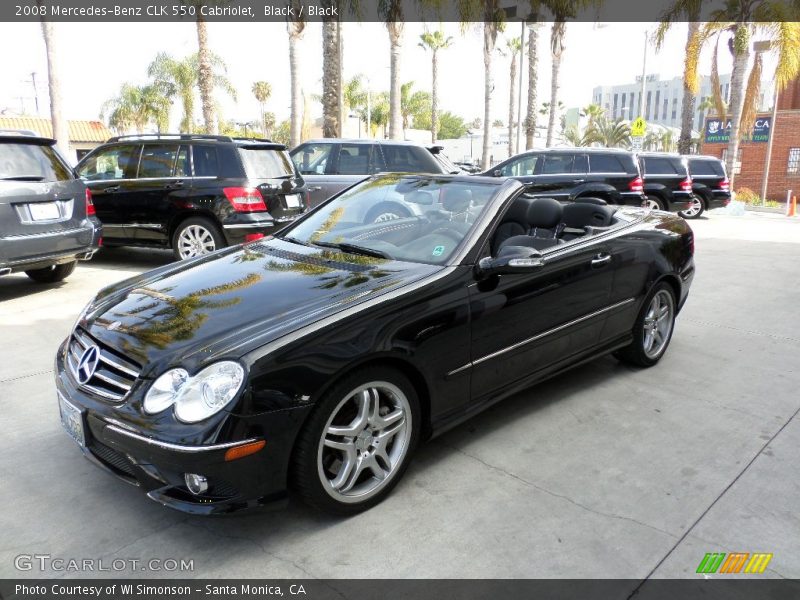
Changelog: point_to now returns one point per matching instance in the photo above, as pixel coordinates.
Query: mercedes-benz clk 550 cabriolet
(316, 361)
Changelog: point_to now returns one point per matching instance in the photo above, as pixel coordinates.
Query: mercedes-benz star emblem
(87, 364)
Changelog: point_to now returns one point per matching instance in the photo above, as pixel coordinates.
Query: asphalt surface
(606, 471)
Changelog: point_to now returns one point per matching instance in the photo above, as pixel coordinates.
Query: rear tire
(655, 203)
(357, 443)
(196, 236)
(652, 330)
(697, 208)
(53, 273)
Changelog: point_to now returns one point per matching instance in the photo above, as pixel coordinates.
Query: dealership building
(784, 170)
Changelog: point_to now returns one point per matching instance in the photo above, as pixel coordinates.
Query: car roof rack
(171, 136)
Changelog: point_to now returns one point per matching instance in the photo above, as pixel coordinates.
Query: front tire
(695, 210)
(357, 443)
(196, 236)
(653, 329)
(53, 273)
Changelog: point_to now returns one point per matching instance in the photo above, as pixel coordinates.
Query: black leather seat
(515, 222)
(579, 215)
(543, 217)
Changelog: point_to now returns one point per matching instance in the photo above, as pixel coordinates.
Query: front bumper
(158, 466)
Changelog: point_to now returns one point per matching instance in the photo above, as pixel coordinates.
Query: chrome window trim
(113, 181)
(176, 447)
(541, 335)
(250, 225)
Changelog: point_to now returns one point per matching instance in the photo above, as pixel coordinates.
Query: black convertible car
(317, 360)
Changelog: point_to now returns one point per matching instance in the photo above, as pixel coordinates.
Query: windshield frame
(503, 190)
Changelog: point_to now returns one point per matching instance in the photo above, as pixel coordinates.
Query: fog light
(197, 484)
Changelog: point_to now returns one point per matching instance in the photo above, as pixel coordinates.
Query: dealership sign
(718, 131)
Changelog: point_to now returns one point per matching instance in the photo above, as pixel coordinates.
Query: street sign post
(638, 128)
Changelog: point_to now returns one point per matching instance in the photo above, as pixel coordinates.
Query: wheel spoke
(378, 471)
(358, 424)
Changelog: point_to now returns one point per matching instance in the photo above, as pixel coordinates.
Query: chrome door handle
(601, 259)
(315, 188)
(111, 189)
(578, 180)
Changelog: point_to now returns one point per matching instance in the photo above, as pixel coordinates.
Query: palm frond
(751, 95)
(716, 93)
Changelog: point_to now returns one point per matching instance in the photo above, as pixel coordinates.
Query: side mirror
(514, 259)
(497, 173)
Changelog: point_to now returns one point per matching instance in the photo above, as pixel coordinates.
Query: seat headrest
(455, 199)
(545, 213)
(419, 197)
(518, 211)
(579, 215)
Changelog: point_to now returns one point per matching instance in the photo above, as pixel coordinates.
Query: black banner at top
(144, 11)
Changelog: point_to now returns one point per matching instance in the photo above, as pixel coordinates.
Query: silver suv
(47, 220)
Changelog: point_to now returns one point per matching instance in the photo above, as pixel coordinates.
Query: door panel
(522, 323)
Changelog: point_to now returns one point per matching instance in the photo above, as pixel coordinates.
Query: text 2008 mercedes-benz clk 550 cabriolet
(318, 359)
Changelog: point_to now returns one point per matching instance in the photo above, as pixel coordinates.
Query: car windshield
(266, 163)
(31, 162)
(400, 217)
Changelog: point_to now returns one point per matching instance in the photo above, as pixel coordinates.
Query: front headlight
(198, 397)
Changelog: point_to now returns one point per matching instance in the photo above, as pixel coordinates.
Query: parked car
(192, 193)
(567, 174)
(331, 165)
(317, 360)
(47, 221)
(709, 183)
(667, 183)
(469, 167)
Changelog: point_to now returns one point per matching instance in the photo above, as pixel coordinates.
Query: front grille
(113, 459)
(114, 375)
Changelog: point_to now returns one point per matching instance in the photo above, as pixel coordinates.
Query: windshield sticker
(438, 250)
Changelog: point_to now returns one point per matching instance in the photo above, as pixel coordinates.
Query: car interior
(542, 223)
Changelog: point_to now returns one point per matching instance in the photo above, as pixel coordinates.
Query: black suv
(571, 173)
(709, 183)
(667, 183)
(191, 193)
(331, 165)
(46, 212)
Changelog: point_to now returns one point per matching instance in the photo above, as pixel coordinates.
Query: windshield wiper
(23, 178)
(294, 240)
(354, 249)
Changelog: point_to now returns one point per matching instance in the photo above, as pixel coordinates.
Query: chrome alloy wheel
(652, 204)
(364, 442)
(658, 323)
(195, 240)
(694, 209)
(387, 216)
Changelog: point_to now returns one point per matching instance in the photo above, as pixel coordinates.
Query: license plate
(72, 420)
(44, 211)
(293, 200)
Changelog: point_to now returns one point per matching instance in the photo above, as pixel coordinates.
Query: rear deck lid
(269, 168)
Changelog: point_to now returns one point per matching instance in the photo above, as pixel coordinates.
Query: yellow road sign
(638, 126)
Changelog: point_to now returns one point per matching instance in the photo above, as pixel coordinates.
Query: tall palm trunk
(395, 110)
(435, 95)
(557, 48)
(331, 78)
(741, 57)
(205, 77)
(533, 73)
(489, 38)
(59, 123)
(187, 100)
(512, 95)
(296, 116)
(689, 97)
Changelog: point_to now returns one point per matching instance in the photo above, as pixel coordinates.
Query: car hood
(228, 303)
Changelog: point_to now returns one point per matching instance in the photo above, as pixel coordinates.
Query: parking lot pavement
(606, 471)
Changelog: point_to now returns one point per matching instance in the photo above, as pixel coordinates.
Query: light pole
(644, 76)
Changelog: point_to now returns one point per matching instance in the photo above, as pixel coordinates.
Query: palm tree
(137, 107)
(262, 90)
(176, 77)
(741, 20)
(295, 25)
(690, 10)
(205, 73)
(435, 41)
(59, 123)
(610, 134)
(533, 76)
(514, 47)
(574, 137)
(413, 105)
(593, 112)
(392, 13)
(331, 77)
